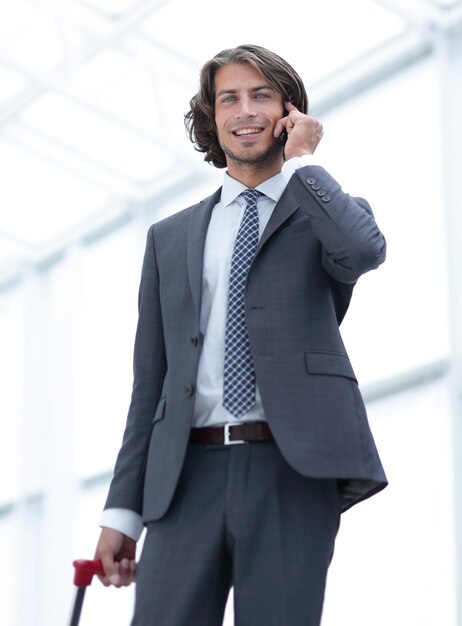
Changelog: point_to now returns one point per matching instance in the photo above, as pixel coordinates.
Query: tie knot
(251, 195)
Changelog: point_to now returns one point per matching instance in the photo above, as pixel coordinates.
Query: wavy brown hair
(200, 119)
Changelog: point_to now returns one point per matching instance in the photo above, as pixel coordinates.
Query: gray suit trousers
(241, 516)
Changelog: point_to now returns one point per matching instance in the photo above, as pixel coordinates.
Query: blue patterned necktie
(239, 373)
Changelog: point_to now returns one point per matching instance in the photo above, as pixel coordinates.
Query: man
(240, 302)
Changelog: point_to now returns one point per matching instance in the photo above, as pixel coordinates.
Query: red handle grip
(85, 570)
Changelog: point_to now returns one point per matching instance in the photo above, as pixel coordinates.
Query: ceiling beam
(426, 15)
(369, 70)
(419, 14)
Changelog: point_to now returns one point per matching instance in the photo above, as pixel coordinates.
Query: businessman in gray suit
(246, 436)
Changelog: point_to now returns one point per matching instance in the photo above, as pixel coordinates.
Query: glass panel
(121, 87)
(10, 84)
(385, 146)
(9, 567)
(111, 272)
(97, 138)
(29, 36)
(112, 7)
(11, 383)
(11, 256)
(310, 34)
(50, 204)
(29, 566)
(445, 3)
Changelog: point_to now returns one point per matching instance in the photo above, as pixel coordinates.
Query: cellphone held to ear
(283, 136)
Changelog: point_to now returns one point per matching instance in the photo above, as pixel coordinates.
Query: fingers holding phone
(300, 133)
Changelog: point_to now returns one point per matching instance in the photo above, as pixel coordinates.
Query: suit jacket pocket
(300, 226)
(160, 411)
(329, 363)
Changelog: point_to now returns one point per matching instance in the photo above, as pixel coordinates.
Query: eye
(262, 95)
(229, 98)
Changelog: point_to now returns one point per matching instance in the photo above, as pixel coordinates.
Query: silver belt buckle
(227, 441)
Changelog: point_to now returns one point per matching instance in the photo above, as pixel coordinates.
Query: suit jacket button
(311, 180)
(194, 341)
(321, 192)
(316, 187)
(189, 390)
(326, 198)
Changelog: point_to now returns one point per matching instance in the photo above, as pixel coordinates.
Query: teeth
(248, 131)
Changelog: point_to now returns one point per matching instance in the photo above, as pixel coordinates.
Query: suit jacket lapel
(197, 231)
(282, 211)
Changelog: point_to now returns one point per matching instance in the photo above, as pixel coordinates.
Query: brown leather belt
(232, 433)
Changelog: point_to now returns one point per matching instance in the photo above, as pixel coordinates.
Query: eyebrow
(252, 90)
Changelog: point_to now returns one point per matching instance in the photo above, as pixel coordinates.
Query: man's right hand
(117, 554)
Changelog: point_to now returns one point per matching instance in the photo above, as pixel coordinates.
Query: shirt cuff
(125, 521)
(294, 163)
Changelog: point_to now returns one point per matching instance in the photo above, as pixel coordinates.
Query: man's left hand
(304, 132)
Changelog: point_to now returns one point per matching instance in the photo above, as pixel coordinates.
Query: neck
(250, 174)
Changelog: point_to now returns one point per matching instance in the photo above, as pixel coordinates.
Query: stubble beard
(258, 161)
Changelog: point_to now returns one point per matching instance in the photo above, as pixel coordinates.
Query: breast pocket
(301, 227)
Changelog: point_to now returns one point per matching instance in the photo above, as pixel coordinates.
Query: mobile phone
(284, 136)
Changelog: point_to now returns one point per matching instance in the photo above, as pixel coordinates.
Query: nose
(246, 108)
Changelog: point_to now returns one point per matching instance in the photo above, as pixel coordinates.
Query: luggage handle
(83, 575)
(85, 570)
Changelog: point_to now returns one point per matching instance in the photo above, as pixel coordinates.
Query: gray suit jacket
(317, 243)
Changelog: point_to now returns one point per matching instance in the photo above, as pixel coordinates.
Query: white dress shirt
(219, 244)
(221, 233)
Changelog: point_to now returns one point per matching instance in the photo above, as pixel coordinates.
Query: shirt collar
(232, 188)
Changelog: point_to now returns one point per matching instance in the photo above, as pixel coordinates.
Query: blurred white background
(93, 150)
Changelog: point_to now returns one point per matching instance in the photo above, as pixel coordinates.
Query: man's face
(246, 111)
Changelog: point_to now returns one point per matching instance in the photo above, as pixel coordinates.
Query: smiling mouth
(244, 132)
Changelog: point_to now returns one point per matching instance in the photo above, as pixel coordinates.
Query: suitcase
(83, 575)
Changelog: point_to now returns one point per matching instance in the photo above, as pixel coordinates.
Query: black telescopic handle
(78, 603)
